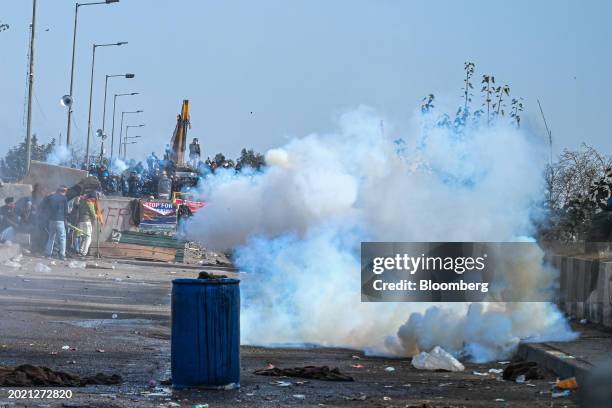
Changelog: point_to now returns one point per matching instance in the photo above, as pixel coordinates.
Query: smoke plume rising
(296, 230)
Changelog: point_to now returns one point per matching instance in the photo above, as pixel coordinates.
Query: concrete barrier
(585, 288)
(117, 215)
(53, 176)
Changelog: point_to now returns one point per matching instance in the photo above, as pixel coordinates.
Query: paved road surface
(43, 311)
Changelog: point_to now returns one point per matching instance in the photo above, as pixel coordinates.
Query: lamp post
(93, 63)
(113, 131)
(127, 128)
(127, 143)
(129, 76)
(76, 15)
(121, 128)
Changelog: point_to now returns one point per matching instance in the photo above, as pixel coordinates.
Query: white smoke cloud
(296, 230)
(60, 156)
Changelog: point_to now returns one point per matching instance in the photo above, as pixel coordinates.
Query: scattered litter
(443, 384)
(152, 384)
(12, 264)
(27, 375)
(299, 396)
(562, 394)
(17, 258)
(200, 406)
(479, 373)
(40, 268)
(529, 369)
(356, 357)
(520, 379)
(118, 280)
(230, 386)
(114, 315)
(52, 263)
(360, 397)
(530, 384)
(386, 398)
(496, 370)
(310, 372)
(503, 362)
(65, 347)
(358, 366)
(583, 321)
(270, 366)
(281, 383)
(437, 359)
(567, 384)
(76, 265)
(100, 350)
(389, 369)
(499, 400)
(95, 265)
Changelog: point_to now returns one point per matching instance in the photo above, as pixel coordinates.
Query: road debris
(207, 275)
(529, 369)
(299, 396)
(76, 265)
(27, 375)
(389, 369)
(358, 366)
(562, 394)
(567, 384)
(436, 359)
(41, 268)
(323, 373)
(11, 264)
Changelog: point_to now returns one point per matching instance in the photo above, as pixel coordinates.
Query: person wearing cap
(8, 220)
(56, 209)
(194, 152)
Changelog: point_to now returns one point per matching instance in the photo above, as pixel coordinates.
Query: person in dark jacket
(9, 220)
(56, 210)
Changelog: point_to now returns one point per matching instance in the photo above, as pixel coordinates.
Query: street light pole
(74, 33)
(127, 143)
(121, 129)
(30, 90)
(127, 128)
(93, 63)
(113, 131)
(130, 76)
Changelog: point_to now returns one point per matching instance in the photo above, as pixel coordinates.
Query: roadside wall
(585, 288)
(52, 176)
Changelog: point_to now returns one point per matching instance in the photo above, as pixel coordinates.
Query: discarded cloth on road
(436, 359)
(206, 275)
(527, 368)
(27, 375)
(323, 373)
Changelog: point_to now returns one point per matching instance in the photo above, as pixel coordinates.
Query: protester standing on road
(194, 152)
(56, 208)
(87, 215)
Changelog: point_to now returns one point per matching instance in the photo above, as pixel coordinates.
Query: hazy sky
(297, 64)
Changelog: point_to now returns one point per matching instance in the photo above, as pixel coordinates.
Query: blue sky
(296, 65)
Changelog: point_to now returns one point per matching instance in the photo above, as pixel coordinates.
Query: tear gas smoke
(60, 156)
(296, 230)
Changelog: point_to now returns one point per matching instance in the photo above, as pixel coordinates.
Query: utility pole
(547, 131)
(30, 89)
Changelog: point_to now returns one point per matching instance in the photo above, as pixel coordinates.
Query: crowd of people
(57, 225)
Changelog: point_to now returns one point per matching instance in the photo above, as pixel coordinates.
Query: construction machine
(183, 174)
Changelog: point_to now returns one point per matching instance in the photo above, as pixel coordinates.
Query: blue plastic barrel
(205, 332)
